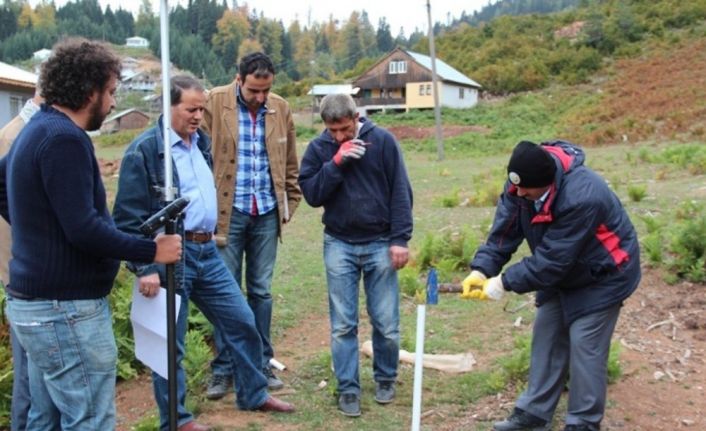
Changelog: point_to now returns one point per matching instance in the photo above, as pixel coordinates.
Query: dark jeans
(255, 239)
(211, 287)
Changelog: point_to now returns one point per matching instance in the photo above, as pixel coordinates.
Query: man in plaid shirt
(256, 170)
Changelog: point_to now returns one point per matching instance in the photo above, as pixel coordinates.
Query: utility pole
(435, 92)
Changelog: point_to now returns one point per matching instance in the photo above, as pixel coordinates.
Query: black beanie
(530, 166)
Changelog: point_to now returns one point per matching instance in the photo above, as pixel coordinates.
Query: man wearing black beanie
(585, 262)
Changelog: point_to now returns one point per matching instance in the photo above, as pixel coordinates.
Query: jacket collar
(203, 143)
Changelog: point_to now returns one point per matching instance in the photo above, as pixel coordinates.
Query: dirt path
(663, 335)
(662, 332)
(134, 398)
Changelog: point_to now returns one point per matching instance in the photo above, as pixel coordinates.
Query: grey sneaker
(349, 405)
(520, 420)
(384, 392)
(219, 386)
(273, 383)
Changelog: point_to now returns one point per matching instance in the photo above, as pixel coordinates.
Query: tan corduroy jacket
(221, 123)
(7, 135)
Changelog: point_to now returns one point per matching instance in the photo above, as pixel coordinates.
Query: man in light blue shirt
(201, 275)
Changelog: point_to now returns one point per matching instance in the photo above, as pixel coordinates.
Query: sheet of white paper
(149, 327)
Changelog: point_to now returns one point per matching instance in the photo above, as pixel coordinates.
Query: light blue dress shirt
(196, 183)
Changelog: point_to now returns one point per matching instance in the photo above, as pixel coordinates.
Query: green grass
(454, 325)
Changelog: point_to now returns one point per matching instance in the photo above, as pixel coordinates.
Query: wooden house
(16, 87)
(318, 92)
(402, 80)
(124, 120)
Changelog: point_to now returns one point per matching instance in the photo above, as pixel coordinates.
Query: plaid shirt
(253, 183)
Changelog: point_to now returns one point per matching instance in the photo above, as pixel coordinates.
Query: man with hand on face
(355, 170)
(202, 276)
(585, 262)
(66, 250)
(255, 165)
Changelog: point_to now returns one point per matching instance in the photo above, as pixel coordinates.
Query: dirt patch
(135, 401)
(662, 356)
(662, 332)
(448, 131)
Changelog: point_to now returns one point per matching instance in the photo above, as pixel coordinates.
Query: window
(460, 93)
(397, 66)
(428, 89)
(421, 89)
(15, 106)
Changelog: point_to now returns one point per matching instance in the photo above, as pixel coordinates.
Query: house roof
(124, 113)
(42, 53)
(11, 75)
(325, 89)
(129, 75)
(443, 70)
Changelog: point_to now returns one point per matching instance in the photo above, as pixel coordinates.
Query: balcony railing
(368, 101)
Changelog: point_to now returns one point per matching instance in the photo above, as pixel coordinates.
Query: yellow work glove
(473, 285)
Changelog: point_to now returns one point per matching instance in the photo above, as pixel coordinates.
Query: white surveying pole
(432, 298)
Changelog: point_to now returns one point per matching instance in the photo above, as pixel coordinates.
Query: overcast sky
(398, 13)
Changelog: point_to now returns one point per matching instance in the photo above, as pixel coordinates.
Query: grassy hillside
(529, 52)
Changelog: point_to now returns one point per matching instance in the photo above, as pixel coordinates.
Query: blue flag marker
(432, 288)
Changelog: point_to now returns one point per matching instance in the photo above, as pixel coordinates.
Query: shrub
(637, 192)
(614, 368)
(121, 300)
(513, 368)
(653, 245)
(450, 200)
(687, 246)
(409, 280)
(454, 248)
(197, 357)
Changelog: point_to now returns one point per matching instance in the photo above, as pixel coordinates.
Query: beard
(96, 118)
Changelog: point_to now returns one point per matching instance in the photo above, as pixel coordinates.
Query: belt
(198, 236)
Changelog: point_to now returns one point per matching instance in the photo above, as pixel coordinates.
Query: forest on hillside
(508, 46)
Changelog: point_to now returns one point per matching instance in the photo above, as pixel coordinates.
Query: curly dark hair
(77, 68)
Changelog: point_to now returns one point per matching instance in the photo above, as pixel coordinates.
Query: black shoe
(582, 427)
(384, 392)
(219, 386)
(520, 420)
(273, 383)
(349, 405)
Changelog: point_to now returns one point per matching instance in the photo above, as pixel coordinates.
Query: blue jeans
(20, 386)
(344, 265)
(256, 238)
(211, 287)
(71, 362)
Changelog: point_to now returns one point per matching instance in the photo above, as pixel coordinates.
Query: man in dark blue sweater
(66, 250)
(356, 172)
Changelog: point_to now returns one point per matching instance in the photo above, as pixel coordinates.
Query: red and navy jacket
(584, 246)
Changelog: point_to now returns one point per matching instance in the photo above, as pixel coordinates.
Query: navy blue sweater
(366, 199)
(65, 244)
